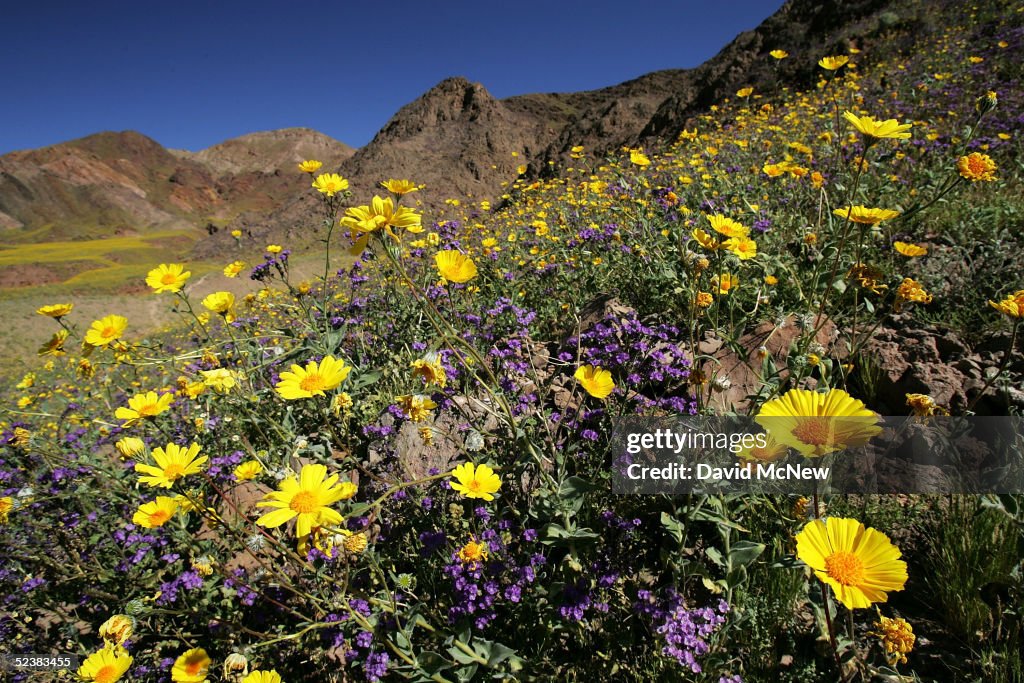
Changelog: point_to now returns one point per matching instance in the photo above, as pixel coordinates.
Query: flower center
(106, 674)
(192, 668)
(174, 471)
(157, 518)
(474, 486)
(815, 431)
(312, 383)
(844, 567)
(168, 279)
(108, 332)
(304, 502)
(148, 410)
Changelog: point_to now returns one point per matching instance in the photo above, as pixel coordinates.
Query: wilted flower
(473, 552)
(117, 629)
(897, 638)
(1013, 305)
(867, 277)
(987, 102)
(910, 291)
(416, 407)
(977, 166)
(130, 447)
(923, 405)
(236, 665)
(55, 345)
(356, 543)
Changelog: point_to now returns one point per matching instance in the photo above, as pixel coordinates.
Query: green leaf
(462, 657)
(572, 490)
(715, 555)
(674, 527)
(705, 515)
(744, 552)
(431, 663)
(499, 653)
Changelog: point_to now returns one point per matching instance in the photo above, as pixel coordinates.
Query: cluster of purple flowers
(279, 262)
(246, 595)
(686, 631)
(188, 580)
(375, 663)
(646, 359)
(222, 466)
(592, 236)
(139, 544)
(478, 588)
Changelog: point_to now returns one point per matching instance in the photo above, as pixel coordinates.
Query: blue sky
(192, 74)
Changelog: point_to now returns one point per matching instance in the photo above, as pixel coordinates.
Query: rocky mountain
(269, 151)
(456, 138)
(119, 183)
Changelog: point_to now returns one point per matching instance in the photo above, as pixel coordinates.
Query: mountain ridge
(456, 138)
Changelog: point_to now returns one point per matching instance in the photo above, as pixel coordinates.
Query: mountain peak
(271, 151)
